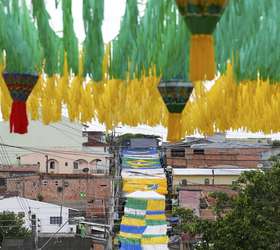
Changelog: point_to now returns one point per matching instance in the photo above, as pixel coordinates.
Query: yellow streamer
(202, 58)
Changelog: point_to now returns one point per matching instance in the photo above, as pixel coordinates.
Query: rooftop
(13, 168)
(230, 144)
(17, 202)
(210, 171)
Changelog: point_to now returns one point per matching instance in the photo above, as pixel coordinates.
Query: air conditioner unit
(260, 165)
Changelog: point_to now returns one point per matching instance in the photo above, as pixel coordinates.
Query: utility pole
(47, 162)
(34, 230)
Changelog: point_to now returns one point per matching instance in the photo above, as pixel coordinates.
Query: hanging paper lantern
(201, 17)
(20, 87)
(175, 95)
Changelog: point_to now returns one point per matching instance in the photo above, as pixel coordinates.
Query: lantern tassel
(202, 58)
(174, 127)
(18, 118)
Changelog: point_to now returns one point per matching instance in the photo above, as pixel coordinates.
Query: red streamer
(18, 118)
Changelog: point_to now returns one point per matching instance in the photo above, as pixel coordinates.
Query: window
(198, 151)
(45, 183)
(56, 183)
(38, 163)
(55, 220)
(66, 164)
(184, 182)
(178, 152)
(76, 165)
(52, 164)
(2, 181)
(206, 181)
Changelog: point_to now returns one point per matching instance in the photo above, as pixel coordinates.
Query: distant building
(68, 161)
(47, 216)
(198, 199)
(14, 171)
(204, 153)
(41, 137)
(205, 176)
(144, 143)
(91, 194)
(96, 141)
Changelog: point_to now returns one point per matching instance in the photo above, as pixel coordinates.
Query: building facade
(217, 153)
(206, 176)
(68, 161)
(48, 217)
(91, 194)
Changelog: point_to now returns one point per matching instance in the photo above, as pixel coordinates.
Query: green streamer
(52, 45)
(70, 40)
(93, 45)
(125, 43)
(248, 35)
(19, 38)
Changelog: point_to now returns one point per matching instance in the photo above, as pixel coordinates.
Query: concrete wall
(97, 188)
(60, 243)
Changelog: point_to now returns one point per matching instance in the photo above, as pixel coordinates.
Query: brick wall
(97, 190)
(243, 157)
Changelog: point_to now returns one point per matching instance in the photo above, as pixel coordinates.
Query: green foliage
(222, 201)
(276, 143)
(93, 14)
(12, 226)
(254, 219)
(40, 197)
(19, 38)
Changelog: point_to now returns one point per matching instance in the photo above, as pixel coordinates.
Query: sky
(113, 11)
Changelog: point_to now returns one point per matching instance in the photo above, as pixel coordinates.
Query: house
(13, 171)
(206, 176)
(56, 135)
(47, 216)
(69, 161)
(198, 199)
(197, 154)
(96, 142)
(91, 194)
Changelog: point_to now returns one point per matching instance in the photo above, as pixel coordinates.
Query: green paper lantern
(201, 16)
(175, 94)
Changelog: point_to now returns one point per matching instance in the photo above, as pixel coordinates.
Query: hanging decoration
(174, 86)
(151, 51)
(93, 50)
(125, 43)
(201, 17)
(23, 59)
(20, 86)
(175, 95)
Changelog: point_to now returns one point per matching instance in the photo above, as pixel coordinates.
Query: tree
(12, 226)
(252, 223)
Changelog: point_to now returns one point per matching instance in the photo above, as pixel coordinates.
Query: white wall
(43, 212)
